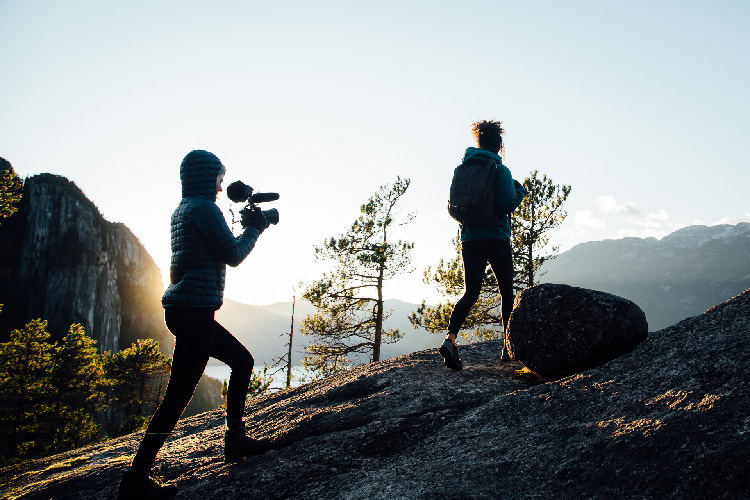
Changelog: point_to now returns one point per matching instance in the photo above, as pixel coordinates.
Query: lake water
(300, 375)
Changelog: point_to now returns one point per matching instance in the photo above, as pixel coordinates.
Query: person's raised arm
(509, 193)
(222, 242)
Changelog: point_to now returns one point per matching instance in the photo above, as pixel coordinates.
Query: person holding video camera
(202, 246)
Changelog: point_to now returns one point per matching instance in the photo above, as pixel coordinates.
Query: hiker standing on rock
(202, 246)
(483, 194)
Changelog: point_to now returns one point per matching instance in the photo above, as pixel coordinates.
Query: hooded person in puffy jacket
(202, 246)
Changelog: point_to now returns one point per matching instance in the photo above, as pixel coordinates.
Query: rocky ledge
(671, 419)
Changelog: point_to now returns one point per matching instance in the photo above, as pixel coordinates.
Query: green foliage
(129, 425)
(24, 361)
(483, 321)
(350, 304)
(260, 383)
(49, 391)
(137, 378)
(10, 195)
(10, 192)
(76, 384)
(539, 212)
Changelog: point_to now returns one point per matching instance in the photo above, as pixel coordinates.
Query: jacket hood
(476, 153)
(198, 173)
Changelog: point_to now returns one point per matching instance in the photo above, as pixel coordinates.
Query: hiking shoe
(137, 484)
(449, 352)
(238, 446)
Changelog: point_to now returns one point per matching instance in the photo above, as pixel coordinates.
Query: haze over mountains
(265, 329)
(61, 261)
(678, 276)
(681, 275)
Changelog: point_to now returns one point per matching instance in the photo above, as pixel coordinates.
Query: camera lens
(272, 216)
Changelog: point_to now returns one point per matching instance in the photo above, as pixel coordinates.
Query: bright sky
(641, 106)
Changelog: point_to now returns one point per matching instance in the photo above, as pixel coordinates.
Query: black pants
(476, 254)
(197, 337)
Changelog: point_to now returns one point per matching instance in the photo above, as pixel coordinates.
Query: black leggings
(476, 254)
(197, 337)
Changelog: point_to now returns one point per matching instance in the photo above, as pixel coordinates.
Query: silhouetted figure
(202, 246)
(489, 239)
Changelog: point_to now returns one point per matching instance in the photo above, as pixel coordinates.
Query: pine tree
(24, 362)
(10, 187)
(135, 378)
(539, 212)
(350, 303)
(10, 193)
(260, 383)
(75, 391)
(483, 322)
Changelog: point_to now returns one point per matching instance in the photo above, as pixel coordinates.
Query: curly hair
(489, 135)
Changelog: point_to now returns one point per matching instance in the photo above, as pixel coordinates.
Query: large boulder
(559, 330)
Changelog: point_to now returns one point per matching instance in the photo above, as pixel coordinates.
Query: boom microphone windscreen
(238, 191)
(262, 197)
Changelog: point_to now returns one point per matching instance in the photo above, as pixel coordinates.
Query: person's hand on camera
(254, 218)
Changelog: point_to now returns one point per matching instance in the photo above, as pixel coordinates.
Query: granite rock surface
(671, 419)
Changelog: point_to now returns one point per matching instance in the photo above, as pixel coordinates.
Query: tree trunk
(289, 359)
(142, 393)
(379, 317)
(530, 249)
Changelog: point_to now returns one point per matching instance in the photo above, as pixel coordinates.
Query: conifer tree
(136, 377)
(350, 302)
(24, 361)
(539, 212)
(10, 189)
(10, 193)
(75, 390)
(260, 383)
(483, 322)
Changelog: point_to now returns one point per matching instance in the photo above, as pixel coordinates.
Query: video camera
(240, 192)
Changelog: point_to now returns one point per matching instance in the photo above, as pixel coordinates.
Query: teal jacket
(507, 198)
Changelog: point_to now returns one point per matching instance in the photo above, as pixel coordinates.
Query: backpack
(472, 195)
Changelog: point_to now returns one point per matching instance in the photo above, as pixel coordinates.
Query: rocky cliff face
(61, 261)
(671, 419)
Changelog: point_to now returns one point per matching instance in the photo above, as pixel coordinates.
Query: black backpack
(472, 196)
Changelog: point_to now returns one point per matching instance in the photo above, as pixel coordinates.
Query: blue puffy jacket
(507, 198)
(202, 244)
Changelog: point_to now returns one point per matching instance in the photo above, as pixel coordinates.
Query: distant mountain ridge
(62, 261)
(264, 330)
(678, 276)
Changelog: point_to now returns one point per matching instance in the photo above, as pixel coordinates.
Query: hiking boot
(449, 352)
(138, 485)
(238, 446)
